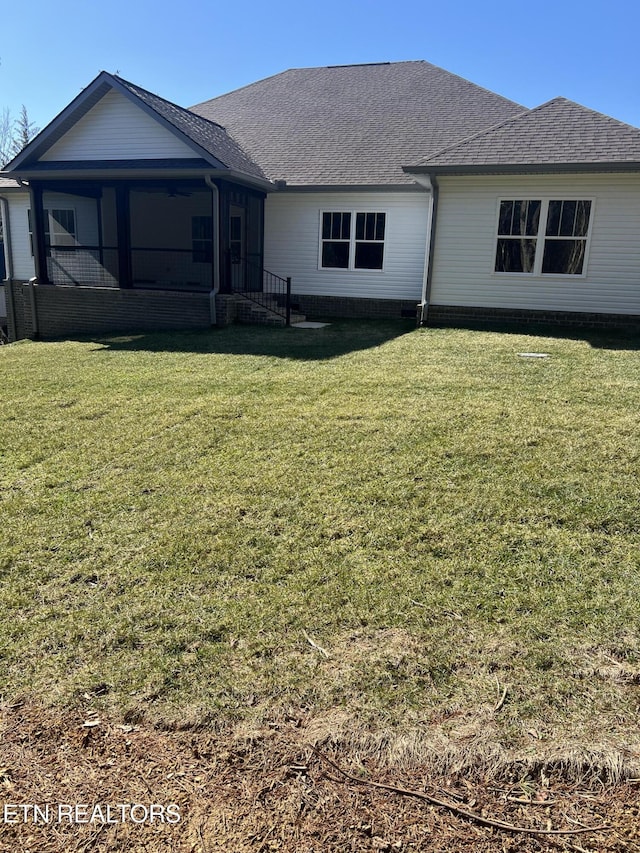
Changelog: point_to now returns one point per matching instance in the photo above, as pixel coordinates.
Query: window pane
(235, 228)
(326, 226)
(515, 255)
(369, 256)
(533, 218)
(335, 255)
(567, 219)
(380, 221)
(62, 224)
(346, 225)
(563, 257)
(526, 216)
(360, 219)
(336, 226)
(370, 230)
(506, 215)
(583, 212)
(553, 218)
(519, 218)
(517, 225)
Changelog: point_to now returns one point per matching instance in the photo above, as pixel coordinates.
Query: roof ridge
(241, 88)
(466, 80)
(390, 63)
(592, 111)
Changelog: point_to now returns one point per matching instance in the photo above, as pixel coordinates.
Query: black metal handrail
(261, 286)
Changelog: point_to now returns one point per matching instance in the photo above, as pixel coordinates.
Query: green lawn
(181, 514)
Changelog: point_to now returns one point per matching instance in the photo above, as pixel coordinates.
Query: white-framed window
(543, 236)
(59, 227)
(352, 240)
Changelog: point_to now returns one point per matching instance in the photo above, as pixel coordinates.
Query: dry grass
(266, 790)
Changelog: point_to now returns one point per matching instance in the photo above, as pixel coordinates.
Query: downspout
(34, 308)
(8, 254)
(431, 185)
(8, 257)
(215, 233)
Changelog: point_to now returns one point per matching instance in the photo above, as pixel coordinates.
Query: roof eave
(344, 188)
(129, 173)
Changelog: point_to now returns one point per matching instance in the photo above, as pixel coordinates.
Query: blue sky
(191, 51)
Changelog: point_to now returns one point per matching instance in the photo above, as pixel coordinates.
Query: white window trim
(48, 230)
(352, 241)
(541, 236)
(53, 231)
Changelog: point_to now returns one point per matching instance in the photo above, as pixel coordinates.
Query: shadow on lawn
(331, 341)
(615, 339)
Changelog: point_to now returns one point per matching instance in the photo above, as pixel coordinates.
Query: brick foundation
(317, 307)
(62, 311)
(450, 315)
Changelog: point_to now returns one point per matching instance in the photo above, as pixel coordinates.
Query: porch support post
(123, 228)
(37, 233)
(225, 255)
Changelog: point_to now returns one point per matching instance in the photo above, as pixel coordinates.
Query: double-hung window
(352, 240)
(543, 236)
(59, 228)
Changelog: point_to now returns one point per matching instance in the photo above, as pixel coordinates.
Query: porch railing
(157, 269)
(170, 269)
(265, 288)
(90, 266)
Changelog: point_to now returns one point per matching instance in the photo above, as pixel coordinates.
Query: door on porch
(237, 247)
(242, 211)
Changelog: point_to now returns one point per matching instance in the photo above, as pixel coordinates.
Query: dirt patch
(267, 790)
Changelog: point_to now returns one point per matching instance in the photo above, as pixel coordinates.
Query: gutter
(431, 185)
(525, 168)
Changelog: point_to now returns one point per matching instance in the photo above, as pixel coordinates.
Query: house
(364, 191)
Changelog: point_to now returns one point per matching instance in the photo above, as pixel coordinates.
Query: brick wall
(449, 315)
(347, 307)
(19, 314)
(62, 311)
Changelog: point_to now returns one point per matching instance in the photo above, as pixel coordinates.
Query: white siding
(466, 244)
(21, 259)
(292, 235)
(117, 129)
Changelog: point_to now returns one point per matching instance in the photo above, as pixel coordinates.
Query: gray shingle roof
(205, 133)
(557, 133)
(353, 125)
